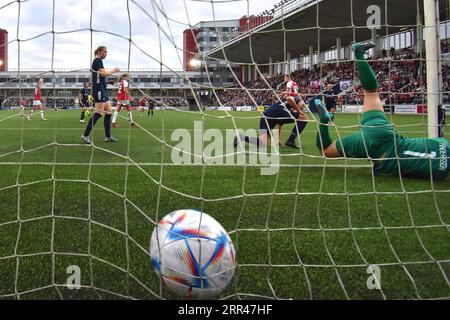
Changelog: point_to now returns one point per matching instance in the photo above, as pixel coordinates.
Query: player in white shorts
(37, 101)
(123, 100)
(142, 103)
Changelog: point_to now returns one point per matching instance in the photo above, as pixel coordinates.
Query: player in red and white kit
(37, 101)
(291, 94)
(142, 103)
(123, 100)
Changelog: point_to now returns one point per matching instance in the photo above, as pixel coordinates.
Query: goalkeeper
(378, 140)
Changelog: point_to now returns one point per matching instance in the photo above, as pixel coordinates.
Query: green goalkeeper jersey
(418, 158)
(378, 140)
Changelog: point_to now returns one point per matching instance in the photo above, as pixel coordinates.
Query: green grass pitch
(309, 232)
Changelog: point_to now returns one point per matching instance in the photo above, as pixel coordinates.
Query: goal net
(76, 219)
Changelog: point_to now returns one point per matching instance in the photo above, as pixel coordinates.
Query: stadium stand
(401, 75)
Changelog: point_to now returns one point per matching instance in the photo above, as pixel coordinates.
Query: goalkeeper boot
(363, 47)
(325, 116)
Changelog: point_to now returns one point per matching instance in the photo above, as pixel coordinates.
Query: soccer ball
(193, 254)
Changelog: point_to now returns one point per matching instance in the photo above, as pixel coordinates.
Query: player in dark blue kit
(151, 107)
(102, 103)
(278, 114)
(83, 100)
(329, 97)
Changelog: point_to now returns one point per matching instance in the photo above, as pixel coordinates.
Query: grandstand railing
(277, 13)
(281, 10)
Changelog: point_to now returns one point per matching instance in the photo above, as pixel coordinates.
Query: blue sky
(156, 28)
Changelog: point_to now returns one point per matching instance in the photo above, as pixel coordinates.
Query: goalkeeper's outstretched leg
(372, 101)
(377, 140)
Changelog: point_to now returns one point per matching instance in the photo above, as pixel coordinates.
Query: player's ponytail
(99, 49)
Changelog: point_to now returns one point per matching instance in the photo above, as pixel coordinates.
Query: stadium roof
(334, 19)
